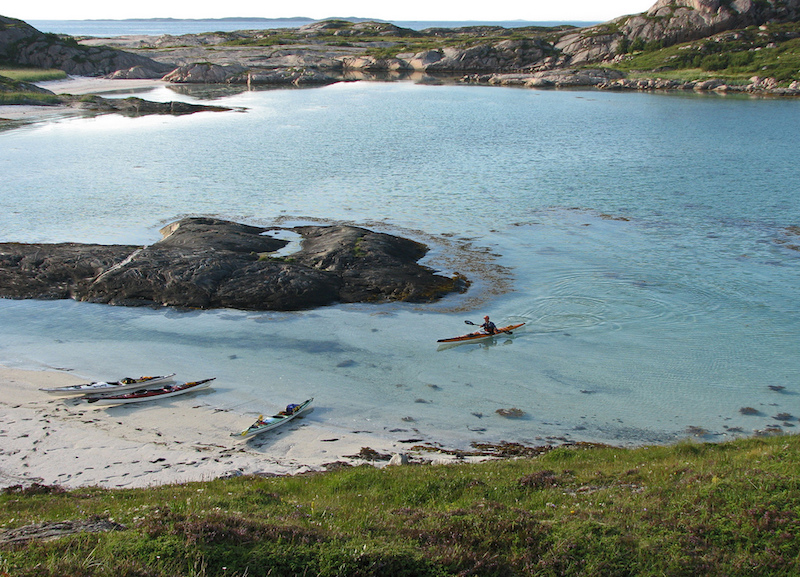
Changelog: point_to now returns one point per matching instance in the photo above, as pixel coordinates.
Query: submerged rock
(209, 263)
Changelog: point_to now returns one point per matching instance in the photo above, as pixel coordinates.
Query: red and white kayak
(480, 335)
(150, 394)
(112, 387)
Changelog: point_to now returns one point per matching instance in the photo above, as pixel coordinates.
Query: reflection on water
(650, 261)
(218, 91)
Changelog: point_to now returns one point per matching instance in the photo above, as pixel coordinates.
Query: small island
(205, 263)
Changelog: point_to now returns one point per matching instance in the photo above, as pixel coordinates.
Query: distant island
(227, 19)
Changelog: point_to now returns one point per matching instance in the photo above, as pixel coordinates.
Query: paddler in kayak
(488, 326)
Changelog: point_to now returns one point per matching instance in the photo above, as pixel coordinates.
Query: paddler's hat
(486, 317)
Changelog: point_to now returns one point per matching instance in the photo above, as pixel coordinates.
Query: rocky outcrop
(209, 263)
(673, 21)
(22, 44)
(333, 50)
(502, 56)
(606, 79)
(133, 106)
(561, 78)
(669, 22)
(206, 73)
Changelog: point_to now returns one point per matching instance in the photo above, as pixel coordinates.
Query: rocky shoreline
(208, 263)
(605, 79)
(338, 50)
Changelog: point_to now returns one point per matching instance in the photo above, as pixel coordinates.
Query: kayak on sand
(263, 424)
(125, 384)
(150, 394)
(480, 335)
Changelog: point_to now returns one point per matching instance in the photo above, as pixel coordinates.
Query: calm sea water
(644, 238)
(106, 28)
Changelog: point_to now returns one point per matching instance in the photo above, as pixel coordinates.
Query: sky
(409, 10)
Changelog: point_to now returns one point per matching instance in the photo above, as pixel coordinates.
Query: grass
(712, 509)
(769, 51)
(34, 98)
(32, 74)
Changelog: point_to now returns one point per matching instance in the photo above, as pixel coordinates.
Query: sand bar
(68, 442)
(77, 85)
(91, 85)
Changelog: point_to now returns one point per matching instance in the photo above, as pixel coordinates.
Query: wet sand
(65, 441)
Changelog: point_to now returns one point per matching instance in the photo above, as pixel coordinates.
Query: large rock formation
(506, 55)
(23, 44)
(669, 22)
(673, 21)
(209, 263)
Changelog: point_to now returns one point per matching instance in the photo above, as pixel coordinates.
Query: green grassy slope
(690, 509)
(768, 51)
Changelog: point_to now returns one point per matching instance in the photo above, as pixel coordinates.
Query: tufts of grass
(35, 98)
(689, 509)
(768, 51)
(32, 74)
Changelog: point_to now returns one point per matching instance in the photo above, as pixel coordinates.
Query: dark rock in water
(209, 263)
(133, 106)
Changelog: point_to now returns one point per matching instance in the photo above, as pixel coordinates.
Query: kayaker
(488, 326)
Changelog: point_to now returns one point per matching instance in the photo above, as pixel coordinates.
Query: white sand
(65, 441)
(25, 114)
(91, 85)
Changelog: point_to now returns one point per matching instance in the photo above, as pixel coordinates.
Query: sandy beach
(65, 441)
(93, 85)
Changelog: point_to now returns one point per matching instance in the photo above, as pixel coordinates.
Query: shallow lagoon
(643, 238)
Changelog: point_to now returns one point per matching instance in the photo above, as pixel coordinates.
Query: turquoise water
(644, 238)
